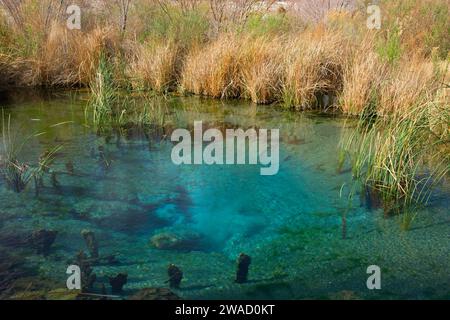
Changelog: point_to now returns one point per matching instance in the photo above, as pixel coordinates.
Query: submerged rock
(165, 241)
(118, 282)
(42, 240)
(172, 241)
(155, 294)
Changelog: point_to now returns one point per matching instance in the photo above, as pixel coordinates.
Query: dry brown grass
(156, 66)
(294, 68)
(362, 78)
(234, 66)
(213, 70)
(336, 57)
(408, 85)
(314, 65)
(70, 58)
(261, 69)
(361, 81)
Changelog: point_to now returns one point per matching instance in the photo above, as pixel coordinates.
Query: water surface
(290, 223)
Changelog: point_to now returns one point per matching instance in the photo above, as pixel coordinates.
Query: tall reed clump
(104, 91)
(16, 174)
(296, 69)
(70, 57)
(213, 70)
(111, 111)
(314, 65)
(261, 69)
(407, 85)
(399, 156)
(362, 78)
(156, 66)
(235, 66)
(395, 151)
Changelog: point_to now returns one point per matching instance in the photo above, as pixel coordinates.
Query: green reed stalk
(400, 157)
(18, 174)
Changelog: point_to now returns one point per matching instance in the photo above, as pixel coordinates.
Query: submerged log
(70, 167)
(118, 282)
(88, 277)
(91, 242)
(175, 276)
(243, 264)
(42, 240)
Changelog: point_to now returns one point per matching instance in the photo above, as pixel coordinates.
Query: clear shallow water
(290, 223)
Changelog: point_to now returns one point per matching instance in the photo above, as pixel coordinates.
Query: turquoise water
(290, 223)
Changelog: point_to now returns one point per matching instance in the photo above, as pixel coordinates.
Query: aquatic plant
(18, 174)
(399, 156)
(45, 161)
(151, 113)
(104, 94)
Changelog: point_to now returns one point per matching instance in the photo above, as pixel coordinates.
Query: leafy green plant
(266, 24)
(390, 47)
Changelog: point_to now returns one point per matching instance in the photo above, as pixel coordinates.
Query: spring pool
(147, 212)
